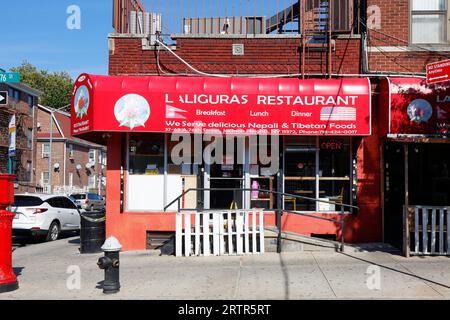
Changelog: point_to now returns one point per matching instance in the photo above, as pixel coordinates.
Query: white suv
(44, 215)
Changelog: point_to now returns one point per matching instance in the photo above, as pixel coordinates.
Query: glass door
(227, 178)
(300, 163)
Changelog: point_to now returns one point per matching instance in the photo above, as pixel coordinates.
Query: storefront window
(146, 154)
(317, 168)
(334, 171)
(153, 181)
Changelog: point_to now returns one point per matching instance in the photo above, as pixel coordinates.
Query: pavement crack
(323, 273)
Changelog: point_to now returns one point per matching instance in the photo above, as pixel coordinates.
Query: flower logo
(420, 110)
(81, 101)
(132, 110)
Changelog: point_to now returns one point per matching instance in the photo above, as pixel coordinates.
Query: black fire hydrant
(110, 263)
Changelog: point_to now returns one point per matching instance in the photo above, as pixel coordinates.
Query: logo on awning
(132, 110)
(81, 102)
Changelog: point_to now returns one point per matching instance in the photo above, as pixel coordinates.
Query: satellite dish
(78, 167)
(56, 166)
(89, 165)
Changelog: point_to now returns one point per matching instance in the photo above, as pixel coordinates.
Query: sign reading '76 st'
(9, 77)
(438, 71)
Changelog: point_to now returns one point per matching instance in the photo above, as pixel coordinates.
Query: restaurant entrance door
(226, 178)
(394, 193)
(426, 171)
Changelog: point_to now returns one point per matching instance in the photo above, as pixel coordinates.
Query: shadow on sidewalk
(18, 271)
(396, 270)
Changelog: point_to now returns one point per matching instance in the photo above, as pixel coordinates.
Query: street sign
(438, 71)
(9, 77)
(3, 98)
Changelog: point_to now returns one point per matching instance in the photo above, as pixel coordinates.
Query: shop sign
(221, 105)
(332, 145)
(418, 108)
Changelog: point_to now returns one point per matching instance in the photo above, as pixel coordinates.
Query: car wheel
(53, 231)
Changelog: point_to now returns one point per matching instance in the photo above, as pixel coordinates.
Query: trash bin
(92, 233)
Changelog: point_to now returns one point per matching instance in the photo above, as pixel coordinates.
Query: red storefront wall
(365, 226)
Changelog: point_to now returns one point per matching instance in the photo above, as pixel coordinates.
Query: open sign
(331, 145)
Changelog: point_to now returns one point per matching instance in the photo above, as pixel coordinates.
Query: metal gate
(426, 230)
(219, 232)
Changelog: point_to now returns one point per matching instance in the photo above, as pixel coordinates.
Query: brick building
(76, 165)
(386, 42)
(22, 102)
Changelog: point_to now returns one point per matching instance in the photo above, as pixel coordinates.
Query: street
(56, 270)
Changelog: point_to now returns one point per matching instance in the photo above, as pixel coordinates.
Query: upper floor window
(91, 155)
(30, 138)
(30, 105)
(29, 169)
(429, 21)
(14, 95)
(45, 150)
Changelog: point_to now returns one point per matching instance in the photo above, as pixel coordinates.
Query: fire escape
(316, 21)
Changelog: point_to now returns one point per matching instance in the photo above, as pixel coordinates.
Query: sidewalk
(42, 274)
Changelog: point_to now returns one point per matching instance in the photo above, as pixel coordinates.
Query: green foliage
(56, 86)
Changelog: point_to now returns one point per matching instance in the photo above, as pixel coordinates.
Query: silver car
(89, 201)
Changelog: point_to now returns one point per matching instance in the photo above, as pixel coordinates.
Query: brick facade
(24, 161)
(67, 176)
(389, 43)
(128, 56)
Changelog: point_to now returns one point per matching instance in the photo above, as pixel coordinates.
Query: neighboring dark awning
(413, 110)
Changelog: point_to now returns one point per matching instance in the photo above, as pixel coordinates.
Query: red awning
(225, 105)
(411, 107)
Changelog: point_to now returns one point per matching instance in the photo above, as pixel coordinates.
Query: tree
(55, 86)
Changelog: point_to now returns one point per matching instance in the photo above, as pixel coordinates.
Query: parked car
(44, 215)
(89, 201)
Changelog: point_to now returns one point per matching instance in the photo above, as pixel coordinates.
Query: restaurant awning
(224, 105)
(412, 111)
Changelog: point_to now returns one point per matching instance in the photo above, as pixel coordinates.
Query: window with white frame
(152, 182)
(429, 21)
(91, 155)
(91, 181)
(45, 150)
(44, 178)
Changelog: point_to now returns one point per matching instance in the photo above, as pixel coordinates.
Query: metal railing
(231, 16)
(122, 12)
(279, 210)
(426, 230)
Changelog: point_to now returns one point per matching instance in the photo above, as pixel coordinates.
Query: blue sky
(35, 30)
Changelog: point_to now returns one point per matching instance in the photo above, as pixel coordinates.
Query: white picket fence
(227, 232)
(430, 230)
